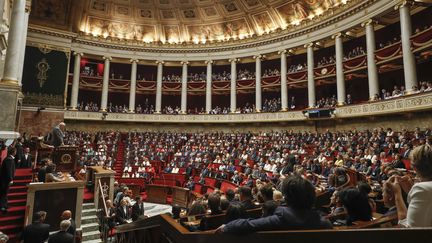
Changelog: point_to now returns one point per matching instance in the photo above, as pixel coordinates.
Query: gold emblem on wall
(43, 68)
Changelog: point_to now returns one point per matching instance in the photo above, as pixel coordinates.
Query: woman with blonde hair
(419, 211)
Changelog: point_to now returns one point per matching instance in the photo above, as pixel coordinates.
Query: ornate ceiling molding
(312, 31)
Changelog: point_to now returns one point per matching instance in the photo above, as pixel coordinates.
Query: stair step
(17, 195)
(11, 228)
(88, 212)
(21, 182)
(90, 227)
(17, 202)
(15, 210)
(89, 219)
(92, 235)
(11, 219)
(88, 206)
(14, 189)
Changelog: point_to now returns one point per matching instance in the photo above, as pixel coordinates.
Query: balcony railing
(409, 103)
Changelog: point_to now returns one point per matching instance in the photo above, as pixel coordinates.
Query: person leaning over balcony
(419, 211)
(299, 197)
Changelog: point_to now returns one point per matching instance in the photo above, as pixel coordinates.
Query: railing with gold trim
(417, 102)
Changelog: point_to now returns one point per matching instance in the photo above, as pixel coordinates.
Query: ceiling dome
(178, 21)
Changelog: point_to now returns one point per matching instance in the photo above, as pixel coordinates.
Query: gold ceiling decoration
(179, 21)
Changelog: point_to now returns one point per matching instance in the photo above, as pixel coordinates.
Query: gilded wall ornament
(43, 68)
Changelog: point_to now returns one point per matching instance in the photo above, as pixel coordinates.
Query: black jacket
(121, 217)
(61, 237)
(42, 174)
(72, 228)
(7, 172)
(284, 218)
(26, 163)
(35, 233)
(137, 211)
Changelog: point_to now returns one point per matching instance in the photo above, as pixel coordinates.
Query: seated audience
(300, 198)
(356, 204)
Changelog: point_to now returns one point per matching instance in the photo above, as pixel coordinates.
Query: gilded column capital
(403, 3)
(107, 58)
(235, 60)
(159, 62)
(310, 45)
(209, 62)
(134, 60)
(184, 63)
(261, 57)
(281, 52)
(369, 22)
(78, 54)
(337, 35)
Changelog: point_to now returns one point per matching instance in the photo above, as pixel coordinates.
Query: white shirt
(419, 206)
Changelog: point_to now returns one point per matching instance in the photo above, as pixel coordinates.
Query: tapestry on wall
(44, 77)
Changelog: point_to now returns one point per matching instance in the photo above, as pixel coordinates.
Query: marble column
(409, 62)
(183, 108)
(371, 63)
(13, 52)
(233, 100)
(340, 77)
(283, 75)
(132, 93)
(258, 89)
(158, 106)
(209, 86)
(23, 41)
(104, 100)
(76, 80)
(310, 75)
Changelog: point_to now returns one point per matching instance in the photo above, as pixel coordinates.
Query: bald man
(57, 135)
(67, 215)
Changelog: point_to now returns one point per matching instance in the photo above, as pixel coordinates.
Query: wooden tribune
(159, 193)
(65, 158)
(54, 198)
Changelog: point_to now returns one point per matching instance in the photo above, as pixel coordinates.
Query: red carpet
(118, 165)
(88, 196)
(12, 222)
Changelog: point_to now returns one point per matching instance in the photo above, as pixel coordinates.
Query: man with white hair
(57, 135)
(3, 237)
(62, 236)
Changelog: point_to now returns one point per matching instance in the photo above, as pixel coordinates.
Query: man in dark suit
(246, 198)
(62, 236)
(37, 232)
(57, 135)
(19, 154)
(300, 198)
(26, 159)
(7, 173)
(67, 215)
(42, 170)
(122, 212)
(137, 209)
